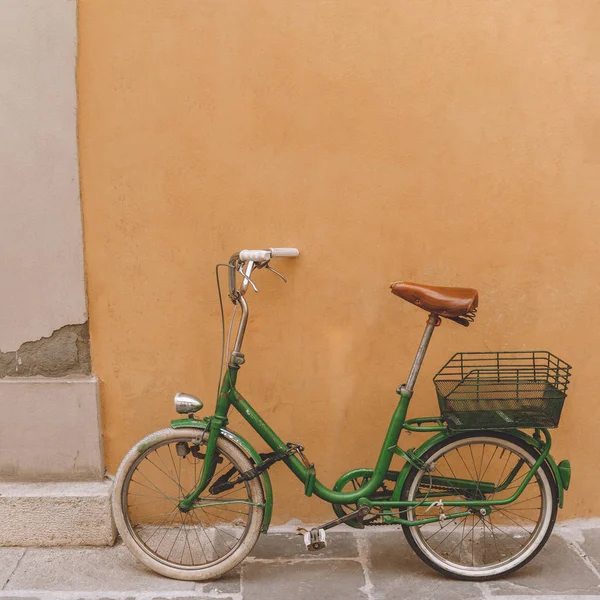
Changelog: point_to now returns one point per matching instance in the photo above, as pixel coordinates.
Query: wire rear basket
(502, 390)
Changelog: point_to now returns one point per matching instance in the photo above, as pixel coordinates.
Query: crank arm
(363, 511)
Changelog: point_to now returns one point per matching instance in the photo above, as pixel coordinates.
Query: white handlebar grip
(255, 255)
(289, 252)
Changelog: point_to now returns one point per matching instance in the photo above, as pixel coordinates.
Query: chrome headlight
(186, 404)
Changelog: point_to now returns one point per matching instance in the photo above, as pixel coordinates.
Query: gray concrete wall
(51, 455)
(41, 250)
(50, 429)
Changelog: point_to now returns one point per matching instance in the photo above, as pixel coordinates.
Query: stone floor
(374, 564)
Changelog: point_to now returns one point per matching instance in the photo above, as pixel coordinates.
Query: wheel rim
(481, 546)
(203, 537)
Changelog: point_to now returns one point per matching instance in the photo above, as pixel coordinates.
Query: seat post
(432, 323)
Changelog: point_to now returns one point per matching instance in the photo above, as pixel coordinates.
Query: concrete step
(56, 514)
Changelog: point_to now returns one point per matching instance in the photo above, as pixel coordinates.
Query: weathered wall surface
(448, 143)
(65, 352)
(51, 454)
(49, 427)
(41, 251)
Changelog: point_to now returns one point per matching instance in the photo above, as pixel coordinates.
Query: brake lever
(239, 270)
(270, 268)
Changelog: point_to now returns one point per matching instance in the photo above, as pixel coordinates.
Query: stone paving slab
(230, 583)
(88, 569)
(9, 559)
(397, 572)
(291, 545)
(326, 580)
(556, 569)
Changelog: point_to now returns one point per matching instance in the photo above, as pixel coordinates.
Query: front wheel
(200, 544)
(468, 467)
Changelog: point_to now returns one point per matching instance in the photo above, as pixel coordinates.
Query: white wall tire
(128, 527)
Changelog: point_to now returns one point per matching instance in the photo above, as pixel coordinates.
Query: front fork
(212, 433)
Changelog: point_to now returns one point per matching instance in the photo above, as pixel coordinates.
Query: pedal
(315, 539)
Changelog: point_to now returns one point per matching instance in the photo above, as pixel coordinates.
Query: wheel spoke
(214, 526)
(193, 515)
(523, 501)
(511, 519)
(462, 538)
(520, 516)
(164, 522)
(480, 477)
(494, 538)
(456, 526)
(153, 486)
(510, 537)
(453, 475)
(170, 474)
(464, 463)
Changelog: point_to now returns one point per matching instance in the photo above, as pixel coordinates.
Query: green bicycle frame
(230, 397)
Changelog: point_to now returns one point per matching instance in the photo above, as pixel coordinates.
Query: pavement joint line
(364, 560)
(572, 543)
(15, 569)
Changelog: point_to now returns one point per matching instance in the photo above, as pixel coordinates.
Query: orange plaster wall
(451, 143)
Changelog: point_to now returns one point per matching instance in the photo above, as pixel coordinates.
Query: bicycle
(475, 501)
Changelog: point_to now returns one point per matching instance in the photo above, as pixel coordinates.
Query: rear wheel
(480, 547)
(203, 543)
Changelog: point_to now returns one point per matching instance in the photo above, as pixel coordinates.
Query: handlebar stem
(239, 338)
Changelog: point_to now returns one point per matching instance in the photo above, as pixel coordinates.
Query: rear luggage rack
(502, 390)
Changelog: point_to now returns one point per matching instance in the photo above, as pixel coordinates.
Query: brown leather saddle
(456, 304)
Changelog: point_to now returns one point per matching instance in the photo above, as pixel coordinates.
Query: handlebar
(288, 252)
(250, 257)
(266, 255)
